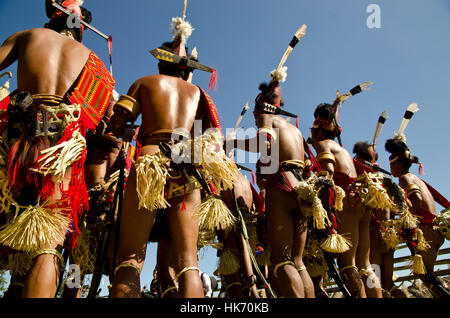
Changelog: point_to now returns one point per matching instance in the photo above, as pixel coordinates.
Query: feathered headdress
(397, 145)
(270, 96)
(182, 30)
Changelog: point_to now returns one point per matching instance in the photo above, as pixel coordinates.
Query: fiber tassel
(213, 81)
(340, 195)
(151, 174)
(215, 215)
(418, 267)
(55, 160)
(372, 192)
(336, 243)
(390, 238)
(84, 252)
(296, 122)
(35, 228)
(228, 263)
(208, 238)
(407, 220)
(422, 244)
(421, 172)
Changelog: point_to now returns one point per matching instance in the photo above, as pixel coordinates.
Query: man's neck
(68, 34)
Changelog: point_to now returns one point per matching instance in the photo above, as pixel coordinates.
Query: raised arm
(263, 140)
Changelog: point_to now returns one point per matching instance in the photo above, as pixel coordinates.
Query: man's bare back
(48, 62)
(167, 102)
(427, 201)
(344, 161)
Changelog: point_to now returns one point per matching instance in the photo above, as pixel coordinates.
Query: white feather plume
(412, 108)
(79, 2)
(279, 74)
(181, 28)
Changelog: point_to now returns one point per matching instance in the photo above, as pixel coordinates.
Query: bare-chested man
(46, 112)
(380, 253)
(422, 199)
(169, 105)
(354, 219)
(286, 223)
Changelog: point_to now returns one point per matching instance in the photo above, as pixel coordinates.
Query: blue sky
(407, 59)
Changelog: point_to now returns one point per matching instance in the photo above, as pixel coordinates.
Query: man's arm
(264, 138)
(127, 109)
(412, 191)
(9, 51)
(326, 157)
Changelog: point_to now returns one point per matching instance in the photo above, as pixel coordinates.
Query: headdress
(327, 116)
(397, 145)
(269, 100)
(181, 31)
(73, 6)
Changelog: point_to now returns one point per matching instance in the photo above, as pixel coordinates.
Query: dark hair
(173, 69)
(268, 93)
(59, 24)
(399, 147)
(324, 110)
(362, 149)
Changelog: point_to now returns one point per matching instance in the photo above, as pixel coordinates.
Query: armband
(269, 132)
(326, 156)
(129, 106)
(411, 189)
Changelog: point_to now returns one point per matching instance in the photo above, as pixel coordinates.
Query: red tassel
(253, 177)
(109, 44)
(296, 122)
(213, 81)
(4, 103)
(421, 169)
(184, 199)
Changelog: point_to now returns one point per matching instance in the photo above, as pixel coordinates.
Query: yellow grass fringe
(151, 174)
(217, 168)
(6, 199)
(84, 253)
(208, 238)
(215, 215)
(372, 192)
(35, 228)
(340, 195)
(58, 158)
(228, 263)
(336, 243)
(307, 192)
(390, 236)
(422, 244)
(443, 221)
(407, 220)
(418, 267)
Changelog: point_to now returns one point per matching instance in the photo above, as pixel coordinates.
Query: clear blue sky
(407, 59)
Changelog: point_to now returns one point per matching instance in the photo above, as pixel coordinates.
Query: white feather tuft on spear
(279, 75)
(181, 28)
